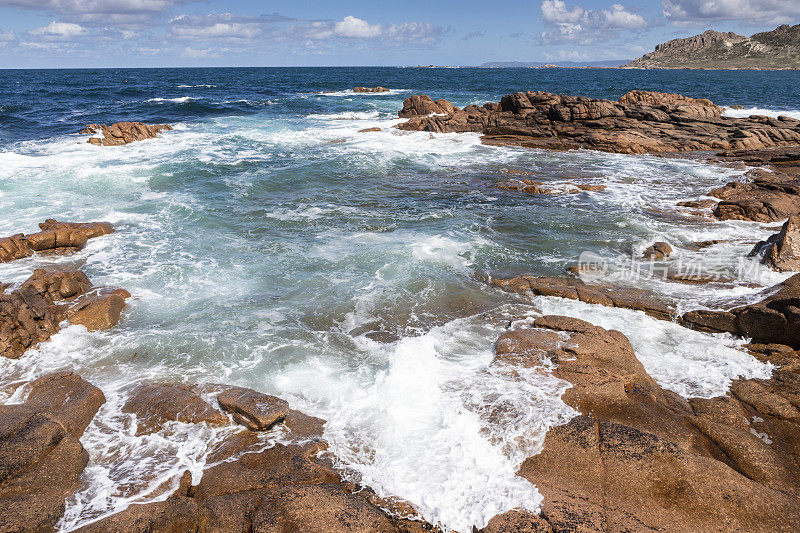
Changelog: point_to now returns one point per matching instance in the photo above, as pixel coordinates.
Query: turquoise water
(269, 244)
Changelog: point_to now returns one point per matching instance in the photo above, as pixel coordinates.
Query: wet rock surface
(782, 250)
(773, 319)
(41, 458)
(123, 132)
(423, 105)
(34, 312)
(639, 122)
(377, 89)
(640, 458)
(576, 289)
(54, 237)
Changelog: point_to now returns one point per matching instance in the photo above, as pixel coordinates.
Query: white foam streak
(688, 362)
(435, 424)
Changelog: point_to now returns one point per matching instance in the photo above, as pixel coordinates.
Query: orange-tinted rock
(639, 122)
(255, 410)
(175, 515)
(55, 237)
(41, 458)
(782, 250)
(98, 310)
(422, 105)
(154, 404)
(123, 132)
(377, 89)
(659, 250)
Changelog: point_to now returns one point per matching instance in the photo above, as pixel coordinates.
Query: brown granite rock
(644, 459)
(575, 289)
(782, 250)
(41, 458)
(764, 197)
(319, 507)
(154, 404)
(369, 130)
(30, 315)
(123, 132)
(98, 310)
(422, 105)
(639, 122)
(377, 89)
(255, 410)
(14, 247)
(175, 515)
(278, 465)
(659, 250)
(774, 319)
(54, 237)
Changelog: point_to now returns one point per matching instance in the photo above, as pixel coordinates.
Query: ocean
(269, 244)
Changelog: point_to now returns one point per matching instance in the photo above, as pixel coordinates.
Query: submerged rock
(123, 132)
(575, 289)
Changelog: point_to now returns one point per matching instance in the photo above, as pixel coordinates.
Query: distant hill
(776, 49)
(559, 64)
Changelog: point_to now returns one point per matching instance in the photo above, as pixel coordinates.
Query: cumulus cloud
(221, 26)
(102, 12)
(59, 31)
(350, 28)
(583, 26)
(698, 12)
(356, 28)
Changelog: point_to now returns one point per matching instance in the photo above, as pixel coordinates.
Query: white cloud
(220, 26)
(697, 12)
(59, 31)
(584, 26)
(350, 28)
(356, 28)
(7, 36)
(102, 12)
(198, 53)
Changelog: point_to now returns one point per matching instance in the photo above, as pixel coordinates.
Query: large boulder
(33, 313)
(98, 310)
(640, 458)
(421, 105)
(41, 458)
(782, 250)
(155, 404)
(773, 319)
(123, 132)
(255, 410)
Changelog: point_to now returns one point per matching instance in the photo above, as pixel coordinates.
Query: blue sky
(132, 33)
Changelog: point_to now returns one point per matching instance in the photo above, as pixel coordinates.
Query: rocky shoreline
(638, 457)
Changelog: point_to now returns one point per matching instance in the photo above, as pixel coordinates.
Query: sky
(156, 33)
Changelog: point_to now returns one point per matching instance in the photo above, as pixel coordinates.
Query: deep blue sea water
(269, 244)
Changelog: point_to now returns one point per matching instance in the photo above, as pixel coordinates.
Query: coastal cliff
(776, 49)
